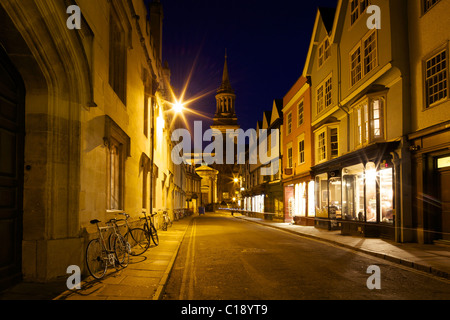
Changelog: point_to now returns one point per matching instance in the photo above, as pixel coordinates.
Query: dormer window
(324, 51)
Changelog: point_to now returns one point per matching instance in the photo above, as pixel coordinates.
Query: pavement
(430, 258)
(146, 276)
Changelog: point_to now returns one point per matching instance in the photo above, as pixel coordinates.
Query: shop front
(355, 193)
(299, 201)
(431, 183)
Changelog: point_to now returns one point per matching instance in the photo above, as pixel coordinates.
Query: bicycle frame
(115, 227)
(110, 257)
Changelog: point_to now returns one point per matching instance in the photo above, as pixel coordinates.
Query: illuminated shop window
(371, 192)
(353, 193)
(443, 162)
(367, 193)
(321, 195)
(386, 195)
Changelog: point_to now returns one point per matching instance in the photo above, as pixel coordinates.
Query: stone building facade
(84, 124)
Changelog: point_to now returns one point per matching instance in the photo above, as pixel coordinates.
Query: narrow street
(225, 258)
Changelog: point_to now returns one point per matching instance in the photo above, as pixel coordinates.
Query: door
(444, 187)
(11, 171)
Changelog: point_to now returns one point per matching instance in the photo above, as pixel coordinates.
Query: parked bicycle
(138, 238)
(150, 228)
(99, 256)
(167, 222)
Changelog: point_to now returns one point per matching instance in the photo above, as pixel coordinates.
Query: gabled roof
(277, 112)
(266, 119)
(328, 17)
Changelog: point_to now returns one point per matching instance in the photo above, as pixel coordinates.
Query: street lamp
(178, 107)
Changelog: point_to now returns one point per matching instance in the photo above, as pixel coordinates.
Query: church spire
(225, 117)
(225, 87)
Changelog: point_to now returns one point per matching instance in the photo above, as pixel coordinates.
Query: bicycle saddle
(95, 221)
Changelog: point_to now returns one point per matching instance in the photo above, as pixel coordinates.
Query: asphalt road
(224, 258)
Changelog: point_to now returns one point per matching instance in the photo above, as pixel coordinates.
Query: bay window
(327, 143)
(368, 116)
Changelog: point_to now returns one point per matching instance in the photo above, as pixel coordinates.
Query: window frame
(323, 152)
(434, 53)
(365, 107)
(358, 8)
(301, 151)
(300, 113)
(289, 158)
(322, 101)
(324, 52)
(362, 60)
(118, 54)
(375, 63)
(289, 123)
(116, 139)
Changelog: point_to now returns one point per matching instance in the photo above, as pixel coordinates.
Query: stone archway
(53, 64)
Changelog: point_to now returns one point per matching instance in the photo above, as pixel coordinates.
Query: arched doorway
(12, 109)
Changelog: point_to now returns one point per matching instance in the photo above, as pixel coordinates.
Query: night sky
(266, 42)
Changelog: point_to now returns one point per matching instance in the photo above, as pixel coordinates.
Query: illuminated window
(436, 78)
(371, 192)
(321, 195)
(334, 143)
(387, 195)
(327, 143)
(369, 120)
(118, 146)
(322, 147)
(443, 162)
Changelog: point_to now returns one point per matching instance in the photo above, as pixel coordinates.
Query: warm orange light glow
(178, 107)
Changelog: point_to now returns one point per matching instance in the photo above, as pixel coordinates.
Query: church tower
(225, 117)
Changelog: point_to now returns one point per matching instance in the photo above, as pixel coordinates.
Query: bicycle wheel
(139, 241)
(121, 250)
(154, 234)
(96, 259)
